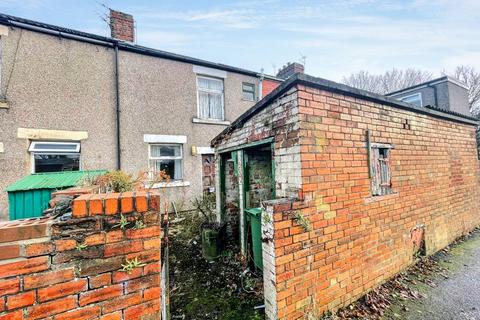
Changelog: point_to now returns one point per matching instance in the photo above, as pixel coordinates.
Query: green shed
(29, 196)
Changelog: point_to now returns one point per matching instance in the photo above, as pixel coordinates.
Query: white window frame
(150, 158)
(417, 95)
(33, 144)
(210, 91)
(254, 87)
(33, 152)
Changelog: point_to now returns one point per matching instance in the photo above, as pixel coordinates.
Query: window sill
(171, 184)
(381, 198)
(211, 121)
(249, 100)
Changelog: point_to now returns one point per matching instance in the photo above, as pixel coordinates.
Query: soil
(200, 289)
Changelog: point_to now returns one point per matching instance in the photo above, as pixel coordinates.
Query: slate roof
(331, 86)
(122, 45)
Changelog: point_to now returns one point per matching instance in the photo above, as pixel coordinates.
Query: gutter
(58, 33)
(111, 43)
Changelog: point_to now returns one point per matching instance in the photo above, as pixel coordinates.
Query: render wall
(358, 241)
(159, 96)
(71, 268)
(60, 84)
(57, 84)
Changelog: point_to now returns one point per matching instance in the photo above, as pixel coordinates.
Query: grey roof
(122, 45)
(309, 81)
(428, 83)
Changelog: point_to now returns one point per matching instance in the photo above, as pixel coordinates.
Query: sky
(334, 38)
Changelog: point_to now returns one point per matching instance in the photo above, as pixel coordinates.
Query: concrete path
(455, 298)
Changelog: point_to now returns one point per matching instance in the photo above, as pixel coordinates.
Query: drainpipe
(117, 108)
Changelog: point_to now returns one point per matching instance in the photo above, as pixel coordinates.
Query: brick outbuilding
(352, 186)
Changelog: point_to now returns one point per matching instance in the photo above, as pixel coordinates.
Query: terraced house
(76, 101)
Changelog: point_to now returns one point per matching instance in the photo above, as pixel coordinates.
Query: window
(48, 156)
(248, 91)
(166, 157)
(415, 99)
(210, 98)
(380, 169)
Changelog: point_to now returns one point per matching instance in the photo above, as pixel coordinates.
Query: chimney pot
(122, 26)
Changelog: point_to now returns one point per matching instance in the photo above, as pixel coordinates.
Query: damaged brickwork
(71, 268)
(356, 241)
(279, 121)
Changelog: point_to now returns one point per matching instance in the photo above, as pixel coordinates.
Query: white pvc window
(210, 95)
(49, 156)
(167, 158)
(60, 147)
(248, 91)
(415, 99)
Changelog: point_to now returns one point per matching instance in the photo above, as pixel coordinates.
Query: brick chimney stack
(290, 69)
(122, 26)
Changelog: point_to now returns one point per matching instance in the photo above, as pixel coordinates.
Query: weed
(266, 219)
(123, 222)
(81, 246)
(206, 207)
(302, 221)
(139, 225)
(131, 264)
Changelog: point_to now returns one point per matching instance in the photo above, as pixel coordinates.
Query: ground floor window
(48, 156)
(166, 157)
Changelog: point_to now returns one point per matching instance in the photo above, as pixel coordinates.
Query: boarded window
(381, 177)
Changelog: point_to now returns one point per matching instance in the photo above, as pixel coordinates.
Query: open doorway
(247, 179)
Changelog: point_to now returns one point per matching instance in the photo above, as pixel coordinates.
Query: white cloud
(165, 40)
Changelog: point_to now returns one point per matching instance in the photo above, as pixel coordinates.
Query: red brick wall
(358, 241)
(122, 26)
(268, 86)
(46, 274)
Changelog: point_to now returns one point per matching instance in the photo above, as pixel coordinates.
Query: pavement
(454, 298)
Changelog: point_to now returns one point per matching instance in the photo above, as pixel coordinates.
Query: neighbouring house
(350, 186)
(445, 93)
(71, 100)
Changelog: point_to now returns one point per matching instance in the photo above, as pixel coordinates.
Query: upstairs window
(415, 99)
(248, 91)
(210, 98)
(167, 157)
(381, 178)
(49, 156)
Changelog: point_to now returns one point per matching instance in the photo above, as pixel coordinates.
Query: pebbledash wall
(72, 268)
(357, 241)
